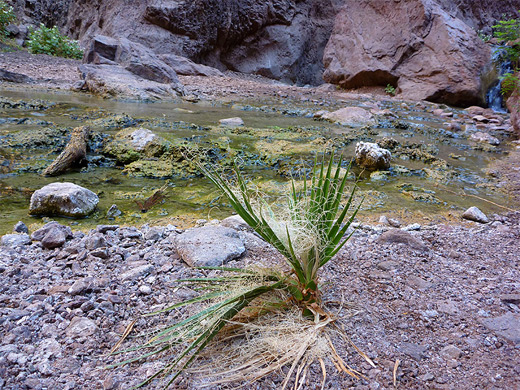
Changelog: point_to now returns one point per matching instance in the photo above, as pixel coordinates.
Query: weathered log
(74, 153)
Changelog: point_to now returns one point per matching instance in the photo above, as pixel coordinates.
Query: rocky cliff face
(427, 48)
(282, 39)
(416, 46)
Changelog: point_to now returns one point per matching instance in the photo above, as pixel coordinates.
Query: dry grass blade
(126, 333)
(396, 366)
(324, 372)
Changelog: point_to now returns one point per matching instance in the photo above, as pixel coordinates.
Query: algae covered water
(435, 171)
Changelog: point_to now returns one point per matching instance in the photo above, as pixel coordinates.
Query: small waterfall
(503, 65)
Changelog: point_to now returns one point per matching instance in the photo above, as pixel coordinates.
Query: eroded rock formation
(429, 49)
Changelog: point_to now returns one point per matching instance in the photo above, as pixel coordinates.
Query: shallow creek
(433, 169)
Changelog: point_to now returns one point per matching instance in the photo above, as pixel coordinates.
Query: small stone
(511, 298)
(95, 241)
(54, 238)
(102, 253)
(152, 235)
(81, 327)
(394, 223)
(136, 273)
(412, 227)
(484, 138)
(209, 246)
(231, 122)
(113, 212)
(383, 219)
(80, 286)
(507, 326)
(415, 351)
(474, 214)
(451, 352)
(106, 228)
(427, 377)
(387, 265)
(145, 290)
(20, 227)
(418, 283)
(398, 236)
(14, 240)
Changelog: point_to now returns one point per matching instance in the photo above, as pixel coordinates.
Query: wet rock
(231, 122)
(20, 227)
(371, 156)
(132, 143)
(351, 116)
(474, 214)
(16, 239)
(209, 246)
(81, 327)
(507, 326)
(484, 138)
(63, 199)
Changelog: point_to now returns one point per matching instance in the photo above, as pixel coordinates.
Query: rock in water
(371, 156)
(231, 122)
(209, 246)
(351, 116)
(474, 214)
(63, 199)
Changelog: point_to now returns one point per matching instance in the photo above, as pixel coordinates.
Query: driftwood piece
(74, 153)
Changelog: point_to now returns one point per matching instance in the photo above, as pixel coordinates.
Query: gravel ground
(443, 300)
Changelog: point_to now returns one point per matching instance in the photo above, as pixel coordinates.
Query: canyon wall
(428, 49)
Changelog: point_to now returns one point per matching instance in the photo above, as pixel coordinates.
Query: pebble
(451, 352)
(145, 290)
(136, 273)
(20, 227)
(81, 327)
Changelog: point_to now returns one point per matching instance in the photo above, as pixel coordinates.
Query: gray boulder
(474, 214)
(372, 156)
(209, 246)
(14, 240)
(110, 81)
(63, 199)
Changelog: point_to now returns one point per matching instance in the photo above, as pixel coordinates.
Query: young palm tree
(309, 232)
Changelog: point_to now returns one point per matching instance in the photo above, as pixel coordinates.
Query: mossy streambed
(434, 172)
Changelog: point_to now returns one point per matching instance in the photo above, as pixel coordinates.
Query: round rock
(372, 156)
(63, 199)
